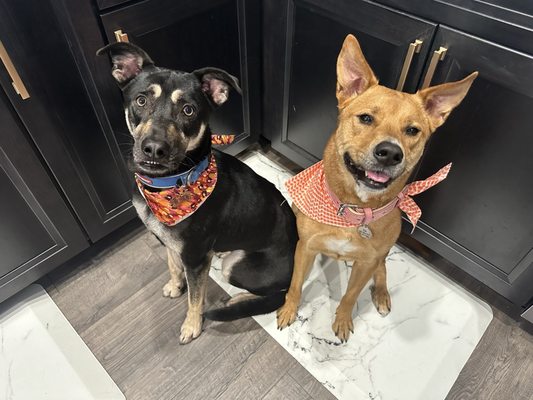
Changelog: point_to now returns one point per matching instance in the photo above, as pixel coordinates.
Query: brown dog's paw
(173, 289)
(190, 329)
(381, 299)
(342, 327)
(286, 315)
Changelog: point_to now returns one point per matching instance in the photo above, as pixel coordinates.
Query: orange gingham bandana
(310, 193)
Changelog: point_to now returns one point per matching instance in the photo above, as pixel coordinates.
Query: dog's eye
(141, 100)
(412, 131)
(188, 110)
(366, 119)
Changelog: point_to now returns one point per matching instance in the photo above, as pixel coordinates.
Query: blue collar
(185, 178)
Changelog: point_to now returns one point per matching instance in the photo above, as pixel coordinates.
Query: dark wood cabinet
(77, 145)
(188, 35)
(479, 217)
(506, 22)
(300, 53)
(37, 231)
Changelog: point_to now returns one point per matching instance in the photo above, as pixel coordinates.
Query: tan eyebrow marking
(176, 94)
(156, 89)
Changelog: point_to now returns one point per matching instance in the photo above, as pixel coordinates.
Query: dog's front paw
(381, 299)
(173, 289)
(191, 328)
(286, 314)
(342, 326)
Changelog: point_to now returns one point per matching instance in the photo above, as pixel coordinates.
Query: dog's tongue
(377, 176)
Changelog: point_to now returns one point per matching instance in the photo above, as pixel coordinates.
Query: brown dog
(380, 136)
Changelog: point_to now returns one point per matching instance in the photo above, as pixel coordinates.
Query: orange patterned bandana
(312, 196)
(173, 205)
(222, 139)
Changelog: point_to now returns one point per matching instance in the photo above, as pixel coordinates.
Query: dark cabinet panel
(37, 231)
(190, 35)
(507, 22)
(483, 209)
(22, 236)
(61, 120)
(300, 55)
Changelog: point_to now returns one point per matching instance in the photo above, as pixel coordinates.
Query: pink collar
(356, 215)
(312, 195)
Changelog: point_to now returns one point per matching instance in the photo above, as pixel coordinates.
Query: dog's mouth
(374, 179)
(151, 165)
(152, 168)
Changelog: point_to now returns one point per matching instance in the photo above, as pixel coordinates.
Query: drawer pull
(120, 36)
(17, 83)
(414, 47)
(438, 55)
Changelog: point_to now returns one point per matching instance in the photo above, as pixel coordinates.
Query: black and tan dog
(167, 114)
(380, 136)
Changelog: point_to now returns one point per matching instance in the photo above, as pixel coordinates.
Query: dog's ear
(439, 101)
(354, 75)
(128, 61)
(216, 84)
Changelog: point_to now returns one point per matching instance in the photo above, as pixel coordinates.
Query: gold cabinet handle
(121, 37)
(17, 83)
(413, 48)
(438, 55)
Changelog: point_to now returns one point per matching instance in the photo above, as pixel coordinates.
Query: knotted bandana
(312, 196)
(408, 205)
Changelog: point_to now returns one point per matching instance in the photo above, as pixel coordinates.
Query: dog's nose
(388, 153)
(155, 149)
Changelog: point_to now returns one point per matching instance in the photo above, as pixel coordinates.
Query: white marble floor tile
(414, 353)
(43, 358)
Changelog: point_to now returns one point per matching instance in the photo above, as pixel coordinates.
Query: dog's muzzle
(376, 176)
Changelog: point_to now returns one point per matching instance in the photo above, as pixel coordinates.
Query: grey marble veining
(416, 352)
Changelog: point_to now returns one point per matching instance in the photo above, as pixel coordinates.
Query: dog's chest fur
(341, 247)
(346, 243)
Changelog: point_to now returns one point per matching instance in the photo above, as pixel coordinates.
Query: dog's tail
(247, 307)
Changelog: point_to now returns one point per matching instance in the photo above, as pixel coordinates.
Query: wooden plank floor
(112, 296)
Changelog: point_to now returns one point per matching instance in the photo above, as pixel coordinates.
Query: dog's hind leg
(176, 285)
(380, 294)
(197, 285)
(265, 274)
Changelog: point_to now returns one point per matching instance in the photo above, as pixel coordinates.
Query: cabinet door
(302, 40)
(37, 231)
(187, 35)
(77, 144)
(481, 216)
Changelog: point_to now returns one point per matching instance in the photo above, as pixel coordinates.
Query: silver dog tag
(364, 231)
